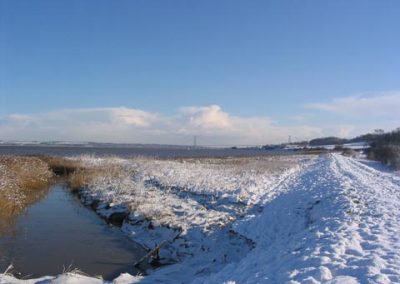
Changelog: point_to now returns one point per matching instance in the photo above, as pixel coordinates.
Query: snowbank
(337, 222)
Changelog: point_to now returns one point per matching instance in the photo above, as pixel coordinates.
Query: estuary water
(129, 152)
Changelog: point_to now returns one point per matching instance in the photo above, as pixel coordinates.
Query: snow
(328, 219)
(338, 222)
(354, 146)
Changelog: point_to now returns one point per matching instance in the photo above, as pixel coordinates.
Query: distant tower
(195, 141)
(290, 139)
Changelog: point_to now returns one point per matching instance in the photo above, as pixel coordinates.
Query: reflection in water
(57, 233)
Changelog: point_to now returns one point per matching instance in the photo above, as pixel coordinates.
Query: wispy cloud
(213, 126)
(382, 105)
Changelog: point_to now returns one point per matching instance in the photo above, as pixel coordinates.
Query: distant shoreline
(137, 151)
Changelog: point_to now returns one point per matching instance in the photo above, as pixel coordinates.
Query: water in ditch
(58, 233)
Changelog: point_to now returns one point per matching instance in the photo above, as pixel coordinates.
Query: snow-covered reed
(182, 193)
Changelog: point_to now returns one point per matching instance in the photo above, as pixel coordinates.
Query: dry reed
(23, 180)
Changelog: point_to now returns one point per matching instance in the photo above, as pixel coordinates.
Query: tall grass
(86, 175)
(61, 166)
(75, 173)
(23, 180)
(23, 173)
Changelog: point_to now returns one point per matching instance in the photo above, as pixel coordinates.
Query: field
(278, 219)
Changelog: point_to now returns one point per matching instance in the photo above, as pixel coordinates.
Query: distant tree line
(328, 141)
(384, 146)
(389, 138)
(379, 136)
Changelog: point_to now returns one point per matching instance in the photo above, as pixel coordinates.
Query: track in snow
(338, 221)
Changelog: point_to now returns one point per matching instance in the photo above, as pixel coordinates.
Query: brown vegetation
(26, 179)
(73, 172)
(23, 173)
(83, 174)
(61, 166)
(23, 180)
(82, 178)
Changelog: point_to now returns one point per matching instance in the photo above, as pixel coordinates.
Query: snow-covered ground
(354, 146)
(338, 221)
(327, 219)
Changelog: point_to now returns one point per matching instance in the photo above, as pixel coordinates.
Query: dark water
(59, 232)
(126, 152)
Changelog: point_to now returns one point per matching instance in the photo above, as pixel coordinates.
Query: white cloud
(384, 105)
(134, 117)
(211, 117)
(218, 127)
(211, 124)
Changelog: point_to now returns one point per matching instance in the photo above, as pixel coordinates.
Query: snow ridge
(337, 222)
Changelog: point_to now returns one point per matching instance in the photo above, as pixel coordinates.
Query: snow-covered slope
(336, 222)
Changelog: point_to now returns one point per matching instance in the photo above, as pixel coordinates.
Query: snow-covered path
(336, 222)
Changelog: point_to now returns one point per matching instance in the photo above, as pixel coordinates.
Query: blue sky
(276, 67)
